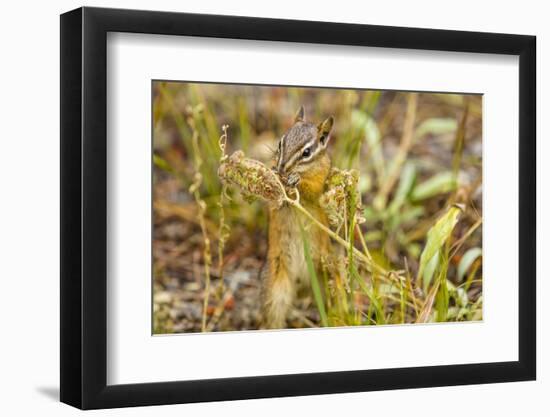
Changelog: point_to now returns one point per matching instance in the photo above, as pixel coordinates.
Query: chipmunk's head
(302, 147)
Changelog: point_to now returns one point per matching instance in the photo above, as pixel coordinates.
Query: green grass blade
(436, 126)
(367, 125)
(406, 182)
(375, 302)
(441, 183)
(162, 163)
(314, 280)
(244, 124)
(466, 262)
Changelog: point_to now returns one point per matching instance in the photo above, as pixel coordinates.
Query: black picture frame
(84, 207)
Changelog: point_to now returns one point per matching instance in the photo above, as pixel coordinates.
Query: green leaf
(459, 294)
(436, 238)
(429, 271)
(442, 298)
(414, 250)
(466, 262)
(406, 181)
(365, 183)
(367, 125)
(441, 183)
(374, 236)
(436, 126)
(161, 163)
(314, 280)
(411, 214)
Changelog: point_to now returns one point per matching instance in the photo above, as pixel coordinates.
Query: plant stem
(222, 226)
(363, 243)
(195, 190)
(368, 261)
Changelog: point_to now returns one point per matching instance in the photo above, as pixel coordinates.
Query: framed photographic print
(255, 208)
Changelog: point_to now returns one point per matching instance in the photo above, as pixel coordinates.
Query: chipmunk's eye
(306, 152)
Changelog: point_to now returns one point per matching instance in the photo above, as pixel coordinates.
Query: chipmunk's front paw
(293, 179)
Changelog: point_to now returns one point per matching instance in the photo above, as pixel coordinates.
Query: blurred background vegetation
(419, 157)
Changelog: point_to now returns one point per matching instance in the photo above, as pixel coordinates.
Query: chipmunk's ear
(324, 130)
(300, 115)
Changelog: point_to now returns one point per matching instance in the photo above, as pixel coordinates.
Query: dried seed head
(340, 196)
(253, 178)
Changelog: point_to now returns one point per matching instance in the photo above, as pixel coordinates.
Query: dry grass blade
(457, 245)
(426, 311)
(400, 157)
(459, 141)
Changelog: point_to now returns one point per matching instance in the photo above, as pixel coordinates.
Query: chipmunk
(302, 161)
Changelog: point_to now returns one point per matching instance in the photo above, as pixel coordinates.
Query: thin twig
(408, 281)
(223, 228)
(457, 245)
